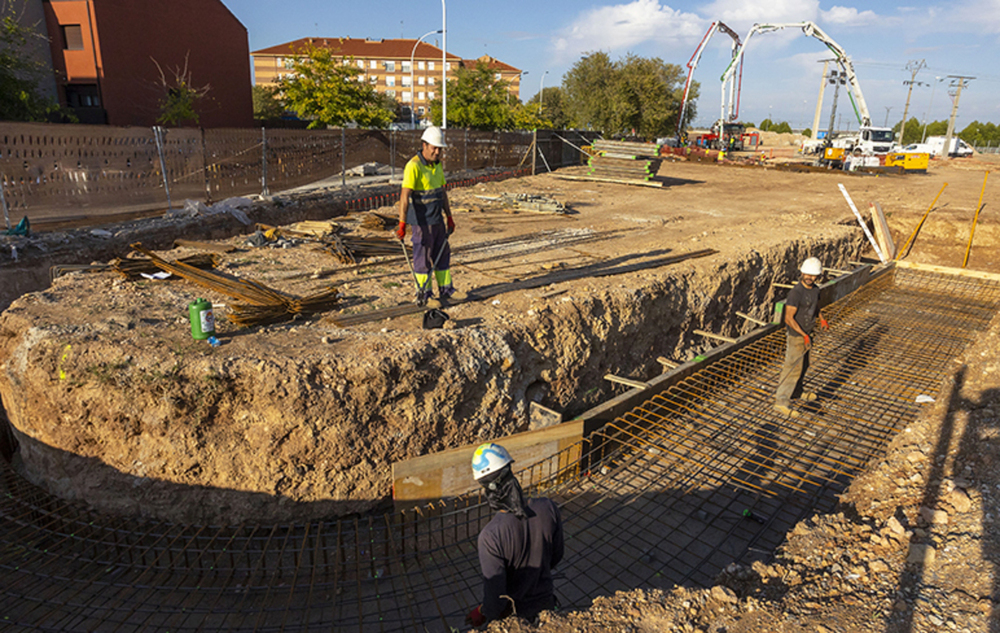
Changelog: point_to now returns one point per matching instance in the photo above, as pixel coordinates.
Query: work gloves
(450, 222)
(401, 231)
(476, 617)
(807, 340)
(823, 323)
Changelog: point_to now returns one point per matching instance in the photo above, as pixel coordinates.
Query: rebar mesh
(701, 475)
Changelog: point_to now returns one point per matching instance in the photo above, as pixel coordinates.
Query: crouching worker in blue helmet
(518, 548)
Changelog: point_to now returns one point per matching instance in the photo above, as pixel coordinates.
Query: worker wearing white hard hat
(423, 204)
(801, 310)
(518, 548)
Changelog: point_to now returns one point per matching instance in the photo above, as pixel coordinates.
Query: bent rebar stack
(698, 476)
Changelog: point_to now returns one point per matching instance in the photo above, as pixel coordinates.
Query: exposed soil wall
(114, 404)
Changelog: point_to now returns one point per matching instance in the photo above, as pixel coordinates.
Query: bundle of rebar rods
(260, 304)
(623, 168)
(349, 250)
(378, 222)
(135, 267)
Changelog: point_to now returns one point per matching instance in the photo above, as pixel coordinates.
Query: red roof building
(409, 71)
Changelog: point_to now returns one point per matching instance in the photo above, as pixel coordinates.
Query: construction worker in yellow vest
(423, 205)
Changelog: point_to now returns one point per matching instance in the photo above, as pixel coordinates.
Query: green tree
(266, 104)
(765, 125)
(808, 133)
(325, 89)
(20, 74)
(553, 107)
(914, 131)
(977, 134)
(477, 100)
(634, 93)
(782, 128)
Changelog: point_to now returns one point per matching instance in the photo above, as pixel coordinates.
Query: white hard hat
(489, 458)
(433, 136)
(812, 266)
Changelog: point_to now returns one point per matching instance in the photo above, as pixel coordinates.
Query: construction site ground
(117, 407)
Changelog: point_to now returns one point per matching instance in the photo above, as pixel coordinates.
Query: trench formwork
(691, 479)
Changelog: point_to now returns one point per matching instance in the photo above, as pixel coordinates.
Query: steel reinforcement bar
(699, 476)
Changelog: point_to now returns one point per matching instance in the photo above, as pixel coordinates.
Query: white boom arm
(693, 63)
(812, 30)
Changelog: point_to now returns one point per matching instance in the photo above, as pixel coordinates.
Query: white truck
(958, 147)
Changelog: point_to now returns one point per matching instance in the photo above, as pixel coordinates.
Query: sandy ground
(553, 282)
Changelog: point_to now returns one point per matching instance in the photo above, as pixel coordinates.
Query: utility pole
(958, 81)
(914, 67)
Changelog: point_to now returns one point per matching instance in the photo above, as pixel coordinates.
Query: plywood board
(882, 233)
(449, 473)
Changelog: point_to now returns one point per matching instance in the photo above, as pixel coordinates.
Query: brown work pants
(793, 372)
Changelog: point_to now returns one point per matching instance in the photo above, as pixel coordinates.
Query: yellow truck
(910, 162)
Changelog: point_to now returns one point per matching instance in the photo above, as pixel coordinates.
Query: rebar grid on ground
(701, 475)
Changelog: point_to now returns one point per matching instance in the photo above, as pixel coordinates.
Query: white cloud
(742, 14)
(849, 16)
(618, 27)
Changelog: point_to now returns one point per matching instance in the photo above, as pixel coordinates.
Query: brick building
(386, 65)
(103, 54)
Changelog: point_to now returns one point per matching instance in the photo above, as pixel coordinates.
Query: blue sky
(781, 74)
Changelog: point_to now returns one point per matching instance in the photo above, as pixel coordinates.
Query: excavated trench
(132, 419)
(698, 474)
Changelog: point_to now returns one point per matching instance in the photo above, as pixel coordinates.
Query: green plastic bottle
(202, 319)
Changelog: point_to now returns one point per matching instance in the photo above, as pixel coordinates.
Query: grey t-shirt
(517, 557)
(806, 302)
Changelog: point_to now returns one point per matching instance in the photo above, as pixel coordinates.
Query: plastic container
(202, 319)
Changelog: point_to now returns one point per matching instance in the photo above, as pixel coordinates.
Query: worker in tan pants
(801, 308)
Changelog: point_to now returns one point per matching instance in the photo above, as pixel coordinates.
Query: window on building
(421, 95)
(430, 96)
(496, 76)
(407, 81)
(391, 93)
(72, 37)
(279, 61)
(390, 67)
(390, 81)
(421, 110)
(447, 66)
(430, 81)
(430, 65)
(289, 62)
(373, 65)
(406, 67)
(421, 66)
(373, 79)
(82, 96)
(361, 64)
(407, 96)
(421, 81)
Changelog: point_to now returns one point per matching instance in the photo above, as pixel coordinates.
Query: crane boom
(812, 30)
(696, 57)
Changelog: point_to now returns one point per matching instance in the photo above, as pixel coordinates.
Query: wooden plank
(449, 473)
(882, 232)
(206, 246)
(617, 181)
(961, 272)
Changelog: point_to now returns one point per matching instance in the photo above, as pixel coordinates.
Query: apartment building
(405, 69)
(107, 57)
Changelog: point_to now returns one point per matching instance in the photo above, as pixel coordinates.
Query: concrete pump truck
(870, 139)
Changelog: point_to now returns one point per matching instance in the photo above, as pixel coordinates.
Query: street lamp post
(923, 135)
(541, 93)
(887, 108)
(413, 88)
(444, 66)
